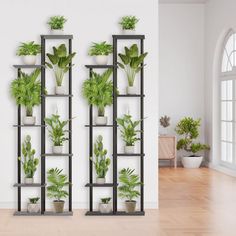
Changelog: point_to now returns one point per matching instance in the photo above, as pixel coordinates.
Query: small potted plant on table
(33, 206)
(57, 132)
(128, 24)
(101, 162)
(29, 162)
(101, 52)
(165, 123)
(55, 190)
(105, 205)
(98, 90)
(27, 91)
(29, 51)
(189, 129)
(56, 24)
(127, 190)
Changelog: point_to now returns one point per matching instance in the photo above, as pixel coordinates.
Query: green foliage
(57, 182)
(29, 163)
(27, 90)
(60, 62)
(102, 48)
(29, 49)
(98, 90)
(57, 22)
(128, 129)
(105, 200)
(57, 131)
(129, 182)
(132, 62)
(128, 22)
(101, 162)
(34, 200)
(189, 129)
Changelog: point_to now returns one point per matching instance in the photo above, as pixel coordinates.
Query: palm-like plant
(128, 22)
(102, 48)
(29, 48)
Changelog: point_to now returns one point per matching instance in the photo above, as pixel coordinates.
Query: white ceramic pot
(33, 208)
(101, 180)
(105, 208)
(57, 31)
(131, 90)
(129, 149)
(29, 60)
(57, 149)
(29, 180)
(128, 32)
(59, 90)
(101, 120)
(192, 162)
(29, 120)
(101, 60)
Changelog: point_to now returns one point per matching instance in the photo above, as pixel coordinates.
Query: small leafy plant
(27, 90)
(29, 162)
(57, 129)
(102, 48)
(60, 62)
(132, 62)
(57, 182)
(128, 22)
(29, 49)
(34, 200)
(129, 129)
(105, 200)
(98, 90)
(129, 182)
(101, 162)
(57, 22)
(189, 129)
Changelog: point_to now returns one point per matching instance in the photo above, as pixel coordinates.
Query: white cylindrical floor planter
(192, 162)
(60, 90)
(131, 90)
(101, 120)
(101, 59)
(29, 120)
(129, 149)
(57, 149)
(101, 180)
(105, 208)
(29, 60)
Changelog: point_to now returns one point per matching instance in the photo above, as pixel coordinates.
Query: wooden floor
(192, 203)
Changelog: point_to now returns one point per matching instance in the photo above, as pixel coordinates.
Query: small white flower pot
(29, 60)
(101, 120)
(105, 208)
(129, 149)
(192, 162)
(29, 180)
(29, 120)
(33, 208)
(131, 90)
(128, 32)
(57, 31)
(101, 180)
(60, 90)
(101, 60)
(57, 149)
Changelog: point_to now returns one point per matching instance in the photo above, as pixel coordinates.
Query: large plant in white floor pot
(188, 129)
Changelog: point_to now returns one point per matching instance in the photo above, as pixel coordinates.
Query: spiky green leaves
(29, 49)
(57, 22)
(128, 22)
(102, 48)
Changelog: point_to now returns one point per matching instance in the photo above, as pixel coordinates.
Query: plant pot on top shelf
(57, 149)
(56, 24)
(128, 24)
(101, 119)
(100, 180)
(101, 60)
(129, 149)
(33, 205)
(105, 205)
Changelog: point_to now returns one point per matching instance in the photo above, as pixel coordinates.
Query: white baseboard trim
(222, 169)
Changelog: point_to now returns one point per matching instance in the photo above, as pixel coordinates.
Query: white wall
(88, 21)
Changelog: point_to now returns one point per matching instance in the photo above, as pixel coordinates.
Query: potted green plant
(57, 182)
(26, 90)
(132, 62)
(127, 188)
(60, 63)
(33, 205)
(29, 162)
(98, 90)
(129, 132)
(101, 161)
(128, 24)
(56, 24)
(189, 129)
(101, 52)
(105, 205)
(57, 132)
(165, 123)
(28, 51)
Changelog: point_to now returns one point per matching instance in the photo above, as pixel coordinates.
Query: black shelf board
(28, 66)
(130, 95)
(100, 185)
(57, 95)
(29, 185)
(99, 126)
(26, 213)
(98, 213)
(136, 213)
(59, 36)
(100, 66)
(130, 155)
(131, 36)
(56, 155)
(29, 125)
(52, 213)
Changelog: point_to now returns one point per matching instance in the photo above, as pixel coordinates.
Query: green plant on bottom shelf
(57, 22)
(101, 162)
(128, 22)
(29, 162)
(102, 48)
(34, 200)
(29, 49)
(105, 200)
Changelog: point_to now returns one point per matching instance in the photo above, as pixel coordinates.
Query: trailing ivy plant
(128, 22)
(29, 49)
(102, 48)
(57, 22)
(27, 90)
(188, 128)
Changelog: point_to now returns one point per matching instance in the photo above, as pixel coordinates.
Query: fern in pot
(60, 62)
(188, 128)
(101, 161)
(105, 205)
(129, 132)
(128, 24)
(57, 132)
(29, 51)
(26, 90)
(29, 162)
(131, 63)
(56, 24)
(98, 90)
(33, 205)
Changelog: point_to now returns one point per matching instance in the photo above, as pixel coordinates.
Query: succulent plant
(165, 121)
